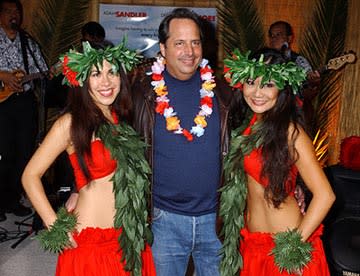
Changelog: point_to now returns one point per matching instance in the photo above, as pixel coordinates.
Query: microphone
(284, 47)
(14, 26)
(285, 50)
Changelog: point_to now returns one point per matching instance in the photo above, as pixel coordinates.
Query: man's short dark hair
(93, 29)
(179, 13)
(288, 28)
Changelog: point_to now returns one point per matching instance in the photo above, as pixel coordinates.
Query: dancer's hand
(71, 202)
(300, 198)
(73, 243)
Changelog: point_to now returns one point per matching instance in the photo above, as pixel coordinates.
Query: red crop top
(253, 166)
(99, 163)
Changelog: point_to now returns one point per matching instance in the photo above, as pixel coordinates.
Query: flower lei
(239, 68)
(76, 66)
(131, 189)
(164, 108)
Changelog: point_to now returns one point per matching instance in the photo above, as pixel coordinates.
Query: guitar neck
(34, 76)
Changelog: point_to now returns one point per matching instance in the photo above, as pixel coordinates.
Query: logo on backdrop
(140, 24)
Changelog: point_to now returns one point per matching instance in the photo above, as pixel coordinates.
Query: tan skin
(261, 214)
(96, 204)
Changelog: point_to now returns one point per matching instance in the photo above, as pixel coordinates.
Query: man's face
(278, 37)
(9, 15)
(183, 49)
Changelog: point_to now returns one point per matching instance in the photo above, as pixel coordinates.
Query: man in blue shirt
(182, 112)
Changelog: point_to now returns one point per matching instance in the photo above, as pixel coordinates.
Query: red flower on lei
(228, 78)
(68, 73)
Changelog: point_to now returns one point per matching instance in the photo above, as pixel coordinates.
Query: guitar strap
(41, 116)
(23, 51)
(24, 47)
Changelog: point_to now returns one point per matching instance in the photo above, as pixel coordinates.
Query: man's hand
(55, 70)
(10, 79)
(313, 78)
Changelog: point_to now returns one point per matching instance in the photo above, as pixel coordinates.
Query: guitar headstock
(340, 61)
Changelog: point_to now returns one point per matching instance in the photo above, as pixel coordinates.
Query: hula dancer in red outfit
(261, 216)
(106, 233)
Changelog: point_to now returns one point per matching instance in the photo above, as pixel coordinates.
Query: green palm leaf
(58, 25)
(324, 39)
(241, 25)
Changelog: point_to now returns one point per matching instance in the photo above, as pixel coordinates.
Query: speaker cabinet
(342, 225)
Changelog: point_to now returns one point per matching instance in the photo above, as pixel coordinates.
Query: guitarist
(281, 36)
(18, 113)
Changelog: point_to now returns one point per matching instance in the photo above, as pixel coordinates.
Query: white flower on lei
(205, 110)
(162, 99)
(197, 130)
(169, 112)
(204, 93)
(158, 66)
(204, 62)
(207, 76)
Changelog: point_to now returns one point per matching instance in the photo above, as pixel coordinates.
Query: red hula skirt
(255, 248)
(98, 254)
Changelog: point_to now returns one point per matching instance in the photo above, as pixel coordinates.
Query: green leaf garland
(80, 63)
(242, 68)
(290, 252)
(56, 238)
(131, 188)
(233, 195)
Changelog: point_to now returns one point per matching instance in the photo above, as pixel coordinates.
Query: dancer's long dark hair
(278, 149)
(87, 117)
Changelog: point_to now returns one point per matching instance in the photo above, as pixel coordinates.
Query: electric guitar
(338, 62)
(6, 91)
(333, 64)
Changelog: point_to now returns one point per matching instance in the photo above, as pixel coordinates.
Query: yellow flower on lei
(172, 123)
(161, 90)
(208, 85)
(200, 120)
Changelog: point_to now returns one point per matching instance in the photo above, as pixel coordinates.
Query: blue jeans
(176, 237)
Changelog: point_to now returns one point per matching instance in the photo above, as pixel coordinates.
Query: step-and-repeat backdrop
(140, 24)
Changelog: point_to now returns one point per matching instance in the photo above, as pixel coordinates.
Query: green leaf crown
(238, 68)
(76, 65)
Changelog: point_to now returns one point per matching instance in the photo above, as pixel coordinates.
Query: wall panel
(349, 117)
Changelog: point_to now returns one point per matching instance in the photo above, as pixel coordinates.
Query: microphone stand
(41, 121)
(36, 224)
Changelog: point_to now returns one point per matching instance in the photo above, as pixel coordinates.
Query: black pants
(18, 129)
